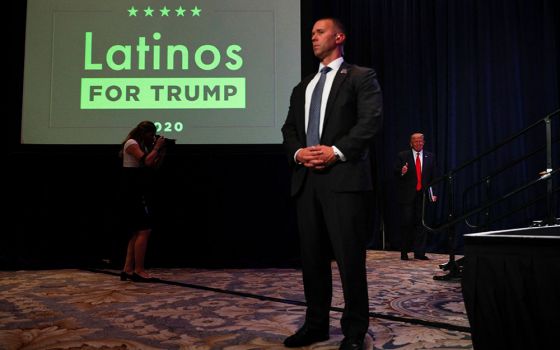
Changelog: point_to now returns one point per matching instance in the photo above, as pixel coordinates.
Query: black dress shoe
(350, 343)
(421, 257)
(137, 278)
(305, 336)
(125, 276)
(404, 256)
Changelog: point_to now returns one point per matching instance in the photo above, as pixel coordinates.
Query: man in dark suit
(414, 169)
(333, 117)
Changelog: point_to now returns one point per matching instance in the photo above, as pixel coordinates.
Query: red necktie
(418, 172)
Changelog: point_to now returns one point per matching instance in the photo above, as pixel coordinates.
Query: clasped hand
(316, 157)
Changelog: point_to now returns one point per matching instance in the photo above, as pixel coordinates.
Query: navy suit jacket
(406, 184)
(353, 117)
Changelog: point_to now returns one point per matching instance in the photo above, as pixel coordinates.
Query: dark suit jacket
(353, 116)
(406, 184)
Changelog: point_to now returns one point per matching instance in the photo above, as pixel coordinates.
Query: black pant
(413, 234)
(340, 224)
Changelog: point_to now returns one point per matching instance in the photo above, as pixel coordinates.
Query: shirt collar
(334, 64)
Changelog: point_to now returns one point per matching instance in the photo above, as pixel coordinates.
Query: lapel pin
(343, 71)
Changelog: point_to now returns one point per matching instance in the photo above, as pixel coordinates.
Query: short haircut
(341, 28)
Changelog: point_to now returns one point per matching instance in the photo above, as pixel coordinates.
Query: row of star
(149, 12)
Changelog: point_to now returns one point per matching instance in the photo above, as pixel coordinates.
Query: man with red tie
(414, 168)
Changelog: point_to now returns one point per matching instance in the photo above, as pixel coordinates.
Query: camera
(168, 142)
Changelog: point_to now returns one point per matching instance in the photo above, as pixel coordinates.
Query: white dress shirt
(334, 65)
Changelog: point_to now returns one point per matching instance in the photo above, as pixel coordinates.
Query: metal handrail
(526, 205)
(487, 179)
(450, 176)
(492, 203)
(507, 166)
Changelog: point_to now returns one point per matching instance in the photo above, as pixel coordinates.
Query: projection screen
(207, 72)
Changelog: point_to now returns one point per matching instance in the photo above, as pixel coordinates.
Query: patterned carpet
(222, 309)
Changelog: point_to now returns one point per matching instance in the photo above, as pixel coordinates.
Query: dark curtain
(468, 74)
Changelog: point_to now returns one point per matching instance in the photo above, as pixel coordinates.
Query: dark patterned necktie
(315, 109)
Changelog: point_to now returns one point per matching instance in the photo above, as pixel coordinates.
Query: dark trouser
(339, 223)
(413, 234)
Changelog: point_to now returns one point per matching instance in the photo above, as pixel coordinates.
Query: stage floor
(234, 309)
